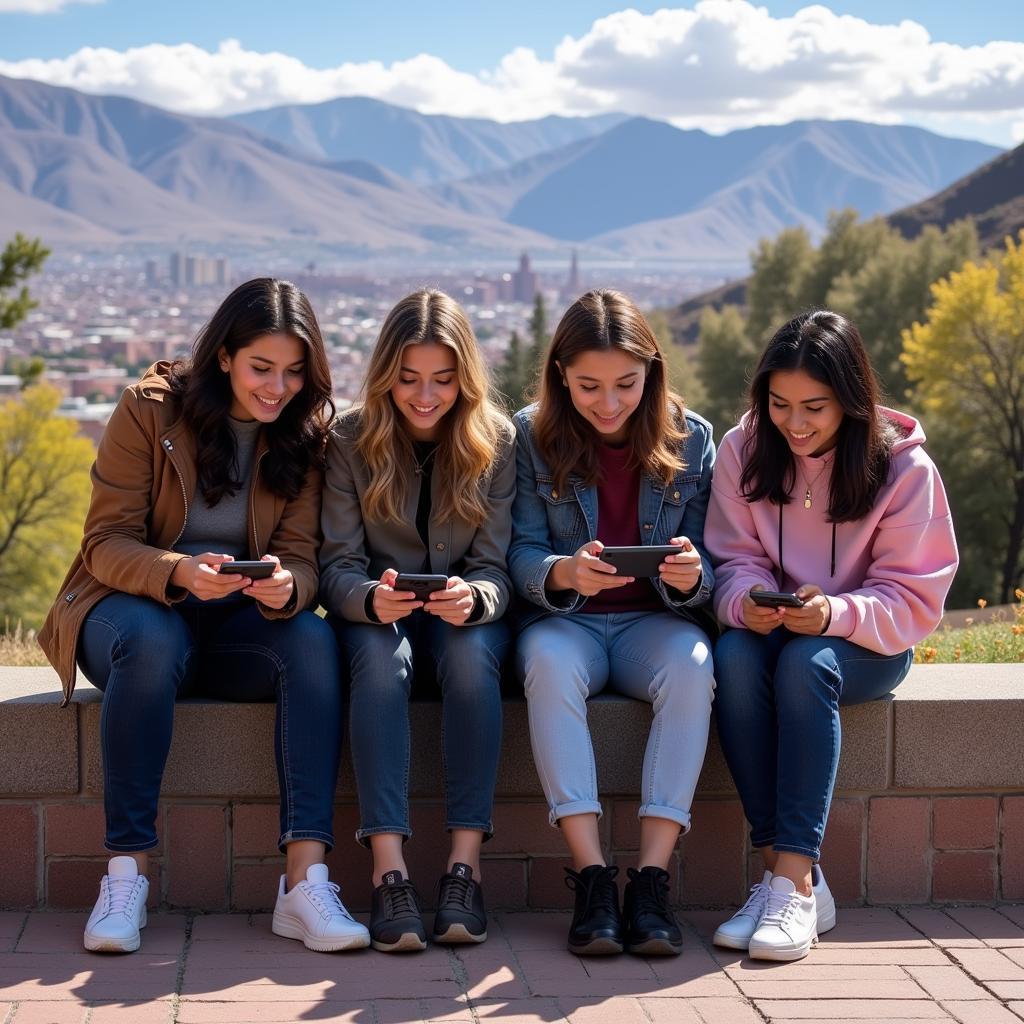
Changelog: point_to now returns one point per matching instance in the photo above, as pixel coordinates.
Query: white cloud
(39, 6)
(717, 65)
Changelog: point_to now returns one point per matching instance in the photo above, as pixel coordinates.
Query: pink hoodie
(893, 568)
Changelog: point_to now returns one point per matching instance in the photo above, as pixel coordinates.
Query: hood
(156, 381)
(909, 431)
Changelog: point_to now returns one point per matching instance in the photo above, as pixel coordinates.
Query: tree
(680, 368)
(893, 289)
(21, 258)
(29, 370)
(510, 376)
(967, 362)
(516, 376)
(778, 282)
(44, 494)
(726, 358)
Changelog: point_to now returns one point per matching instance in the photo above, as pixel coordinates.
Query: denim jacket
(548, 524)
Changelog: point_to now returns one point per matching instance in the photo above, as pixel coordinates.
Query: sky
(712, 64)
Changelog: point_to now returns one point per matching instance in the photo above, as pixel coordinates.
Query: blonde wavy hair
(471, 431)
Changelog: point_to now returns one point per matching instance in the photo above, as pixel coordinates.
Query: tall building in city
(176, 268)
(572, 289)
(524, 281)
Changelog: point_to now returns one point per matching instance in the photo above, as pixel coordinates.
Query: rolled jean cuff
(298, 834)
(131, 847)
(765, 839)
(486, 827)
(576, 807)
(805, 851)
(363, 834)
(681, 818)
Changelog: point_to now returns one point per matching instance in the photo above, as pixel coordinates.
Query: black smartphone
(254, 570)
(775, 599)
(641, 560)
(422, 584)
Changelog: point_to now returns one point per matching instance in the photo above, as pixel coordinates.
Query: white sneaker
(120, 911)
(789, 926)
(823, 900)
(314, 913)
(735, 933)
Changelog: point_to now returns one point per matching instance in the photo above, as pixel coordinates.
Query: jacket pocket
(682, 488)
(565, 517)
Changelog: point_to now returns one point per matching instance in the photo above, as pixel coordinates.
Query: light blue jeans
(655, 657)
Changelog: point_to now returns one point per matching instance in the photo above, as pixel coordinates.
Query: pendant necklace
(421, 465)
(808, 499)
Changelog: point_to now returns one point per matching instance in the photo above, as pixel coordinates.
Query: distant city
(101, 321)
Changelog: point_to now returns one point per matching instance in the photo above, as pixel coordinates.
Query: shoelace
(599, 888)
(401, 899)
(121, 894)
(781, 906)
(454, 889)
(650, 892)
(324, 896)
(755, 901)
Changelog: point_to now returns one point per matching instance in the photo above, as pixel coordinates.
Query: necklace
(421, 464)
(808, 498)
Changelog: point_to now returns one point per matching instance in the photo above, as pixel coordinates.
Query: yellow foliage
(44, 494)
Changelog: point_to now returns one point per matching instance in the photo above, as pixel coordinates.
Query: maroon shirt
(618, 525)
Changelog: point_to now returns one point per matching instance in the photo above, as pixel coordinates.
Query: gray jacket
(355, 552)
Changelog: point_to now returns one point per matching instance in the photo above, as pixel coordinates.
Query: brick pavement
(963, 964)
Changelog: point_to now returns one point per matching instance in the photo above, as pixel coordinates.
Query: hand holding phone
(391, 603)
(639, 560)
(454, 603)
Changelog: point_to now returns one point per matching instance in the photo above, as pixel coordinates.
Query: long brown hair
(600, 321)
(471, 431)
(829, 349)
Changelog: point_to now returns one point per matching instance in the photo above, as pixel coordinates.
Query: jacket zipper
(252, 506)
(184, 497)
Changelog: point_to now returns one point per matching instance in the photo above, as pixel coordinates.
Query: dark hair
(262, 306)
(603, 320)
(828, 348)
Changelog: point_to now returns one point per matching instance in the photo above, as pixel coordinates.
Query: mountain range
(365, 177)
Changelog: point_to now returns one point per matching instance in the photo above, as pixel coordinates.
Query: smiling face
(805, 411)
(606, 387)
(426, 389)
(265, 375)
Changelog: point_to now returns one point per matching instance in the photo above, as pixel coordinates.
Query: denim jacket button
(675, 494)
(439, 545)
(648, 526)
(554, 494)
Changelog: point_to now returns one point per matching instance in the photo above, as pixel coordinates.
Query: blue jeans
(144, 656)
(778, 720)
(466, 664)
(656, 657)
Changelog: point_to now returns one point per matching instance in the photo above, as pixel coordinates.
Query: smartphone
(422, 584)
(639, 561)
(254, 570)
(775, 599)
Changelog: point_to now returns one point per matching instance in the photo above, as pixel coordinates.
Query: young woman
(608, 457)
(822, 492)
(420, 479)
(203, 463)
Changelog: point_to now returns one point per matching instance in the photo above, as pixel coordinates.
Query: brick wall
(929, 805)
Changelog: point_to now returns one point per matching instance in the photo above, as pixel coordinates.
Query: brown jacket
(143, 479)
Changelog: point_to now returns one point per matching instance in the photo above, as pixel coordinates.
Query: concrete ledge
(929, 801)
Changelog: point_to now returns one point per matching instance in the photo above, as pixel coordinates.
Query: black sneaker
(651, 928)
(395, 922)
(596, 927)
(460, 913)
